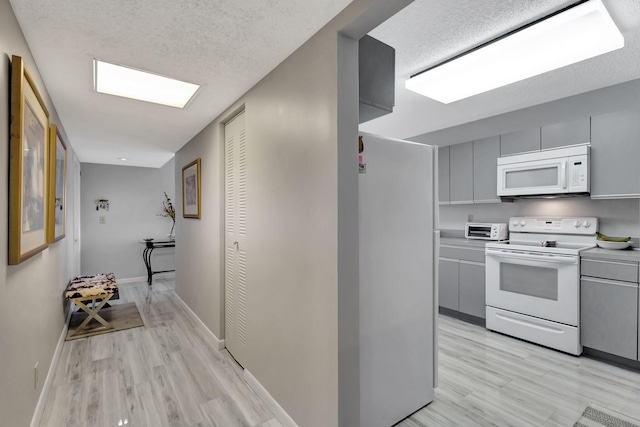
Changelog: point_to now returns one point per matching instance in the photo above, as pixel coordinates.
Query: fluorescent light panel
(135, 84)
(579, 33)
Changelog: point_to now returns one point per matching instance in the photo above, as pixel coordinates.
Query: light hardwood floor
(165, 374)
(161, 375)
(488, 379)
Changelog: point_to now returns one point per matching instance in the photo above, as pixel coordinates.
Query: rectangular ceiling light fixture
(135, 84)
(581, 31)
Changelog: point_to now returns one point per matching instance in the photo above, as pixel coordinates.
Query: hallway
(163, 374)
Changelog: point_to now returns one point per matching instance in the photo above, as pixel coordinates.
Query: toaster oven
(486, 231)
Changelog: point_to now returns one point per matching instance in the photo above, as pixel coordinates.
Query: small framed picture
(28, 167)
(191, 190)
(57, 185)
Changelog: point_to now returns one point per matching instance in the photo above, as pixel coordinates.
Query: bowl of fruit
(607, 242)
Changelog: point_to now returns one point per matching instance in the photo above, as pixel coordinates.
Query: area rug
(596, 416)
(120, 316)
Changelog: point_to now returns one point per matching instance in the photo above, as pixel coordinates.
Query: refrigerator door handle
(436, 280)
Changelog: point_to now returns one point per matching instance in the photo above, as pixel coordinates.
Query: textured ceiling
(228, 46)
(429, 31)
(225, 46)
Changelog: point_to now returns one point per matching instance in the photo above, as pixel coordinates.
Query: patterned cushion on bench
(97, 286)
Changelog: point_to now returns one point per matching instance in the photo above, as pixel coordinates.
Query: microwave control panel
(578, 174)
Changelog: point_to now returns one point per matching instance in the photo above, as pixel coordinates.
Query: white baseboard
(142, 278)
(217, 342)
(37, 415)
(271, 403)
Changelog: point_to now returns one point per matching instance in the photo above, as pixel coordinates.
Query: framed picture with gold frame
(191, 190)
(57, 186)
(28, 167)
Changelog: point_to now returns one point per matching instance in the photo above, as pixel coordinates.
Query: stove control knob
(586, 224)
(576, 224)
(514, 223)
(523, 223)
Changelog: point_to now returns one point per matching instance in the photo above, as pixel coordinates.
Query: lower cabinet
(471, 288)
(448, 285)
(609, 316)
(462, 284)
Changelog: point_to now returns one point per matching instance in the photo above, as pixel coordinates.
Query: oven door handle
(551, 258)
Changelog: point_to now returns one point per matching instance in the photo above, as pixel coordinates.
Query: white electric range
(533, 280)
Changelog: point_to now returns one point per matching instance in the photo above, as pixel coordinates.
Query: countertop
(461, 241)
(629, 255)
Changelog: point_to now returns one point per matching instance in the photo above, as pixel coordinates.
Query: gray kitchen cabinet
(609, 316)
(471, 298)
(567, 133)
(443, 175)
(521, 141)
(485, 163)
(615, 150)
(448, 284)
(612, 270)
(461, 173)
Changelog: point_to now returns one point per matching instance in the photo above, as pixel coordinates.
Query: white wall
(31, 305)
(136, 196)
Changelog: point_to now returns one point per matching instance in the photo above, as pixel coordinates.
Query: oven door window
(530, 281)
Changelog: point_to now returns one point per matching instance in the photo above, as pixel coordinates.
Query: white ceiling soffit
(225, 46)
(429, 31)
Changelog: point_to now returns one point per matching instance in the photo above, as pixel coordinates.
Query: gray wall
(135, 196)
(299, 270)
(31, 305)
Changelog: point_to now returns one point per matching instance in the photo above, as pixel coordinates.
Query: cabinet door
(521, 141)
(609, 316)
(443, 175)
(472, 288)
(461, 173)
(615, 150)
(566, 133)
(448, 286)
(485, 165)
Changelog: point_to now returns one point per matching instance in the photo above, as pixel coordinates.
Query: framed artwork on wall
(28, 167)
(57, 186)
(191, 190)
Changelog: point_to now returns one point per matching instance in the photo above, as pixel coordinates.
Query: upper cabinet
(443, 175)
(615, 152)
(377, 69)
(461, 173)
(521, 141)
(566, 133)
(485, 163)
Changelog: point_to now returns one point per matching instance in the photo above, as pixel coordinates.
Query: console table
(150, 245)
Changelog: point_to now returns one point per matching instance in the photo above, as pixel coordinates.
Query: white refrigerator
(399, 244)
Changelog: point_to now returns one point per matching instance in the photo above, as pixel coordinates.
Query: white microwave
(486, 231)
(553, 172)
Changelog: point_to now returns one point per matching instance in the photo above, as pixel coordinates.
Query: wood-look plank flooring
(489, 379)
(164, 374)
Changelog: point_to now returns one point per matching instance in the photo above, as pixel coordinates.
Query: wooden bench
(99, 287)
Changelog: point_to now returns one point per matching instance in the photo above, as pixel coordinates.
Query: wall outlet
(35, 376)
(103, 220)
(469, 218)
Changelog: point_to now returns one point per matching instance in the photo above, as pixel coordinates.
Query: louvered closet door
(235, 238)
